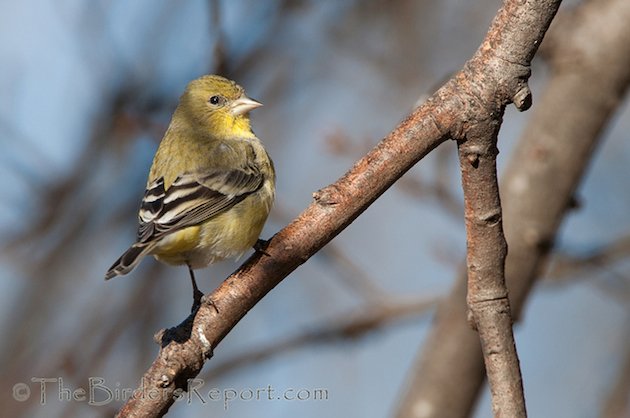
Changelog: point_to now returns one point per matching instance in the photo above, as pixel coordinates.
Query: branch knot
(523, 98)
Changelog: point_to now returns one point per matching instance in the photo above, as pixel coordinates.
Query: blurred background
(87, 92)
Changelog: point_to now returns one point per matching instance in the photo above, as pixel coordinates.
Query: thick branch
(590, 77)
(505, 54)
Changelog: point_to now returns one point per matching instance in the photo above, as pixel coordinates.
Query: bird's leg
(197, 294)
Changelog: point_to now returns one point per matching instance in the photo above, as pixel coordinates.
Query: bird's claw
(261, 245)
(197, 298)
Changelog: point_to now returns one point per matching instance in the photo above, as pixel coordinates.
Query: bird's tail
(128, 260)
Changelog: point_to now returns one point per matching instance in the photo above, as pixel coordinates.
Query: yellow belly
(173, 248)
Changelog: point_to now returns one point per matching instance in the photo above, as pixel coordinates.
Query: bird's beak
(243, 104)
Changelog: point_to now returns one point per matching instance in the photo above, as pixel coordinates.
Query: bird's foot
(197, 298)
(261, 245)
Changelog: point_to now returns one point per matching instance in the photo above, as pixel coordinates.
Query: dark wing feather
(192, 199)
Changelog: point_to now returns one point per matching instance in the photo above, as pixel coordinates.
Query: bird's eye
(215, 100)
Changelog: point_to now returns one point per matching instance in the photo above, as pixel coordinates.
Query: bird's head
(218, 106)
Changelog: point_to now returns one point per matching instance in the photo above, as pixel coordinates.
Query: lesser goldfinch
(211, 184)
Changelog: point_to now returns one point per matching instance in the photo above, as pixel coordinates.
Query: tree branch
(591, 72)
(495, 76)
(488, 303)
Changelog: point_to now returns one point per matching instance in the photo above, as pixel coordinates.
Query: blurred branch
(219, 61)
(438, 189)
(591, 73)
(24, 145)
(495, 76)
(345, 327)
(55, 197)
(353, 276)
(57, 226)
(64, 222)
(565, 265)
(617, 404)
(599, 267)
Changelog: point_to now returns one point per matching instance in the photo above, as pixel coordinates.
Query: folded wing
(193, 198)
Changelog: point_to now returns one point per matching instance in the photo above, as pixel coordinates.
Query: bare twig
(506, 54)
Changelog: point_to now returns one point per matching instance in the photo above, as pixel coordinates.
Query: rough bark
(590, 75)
